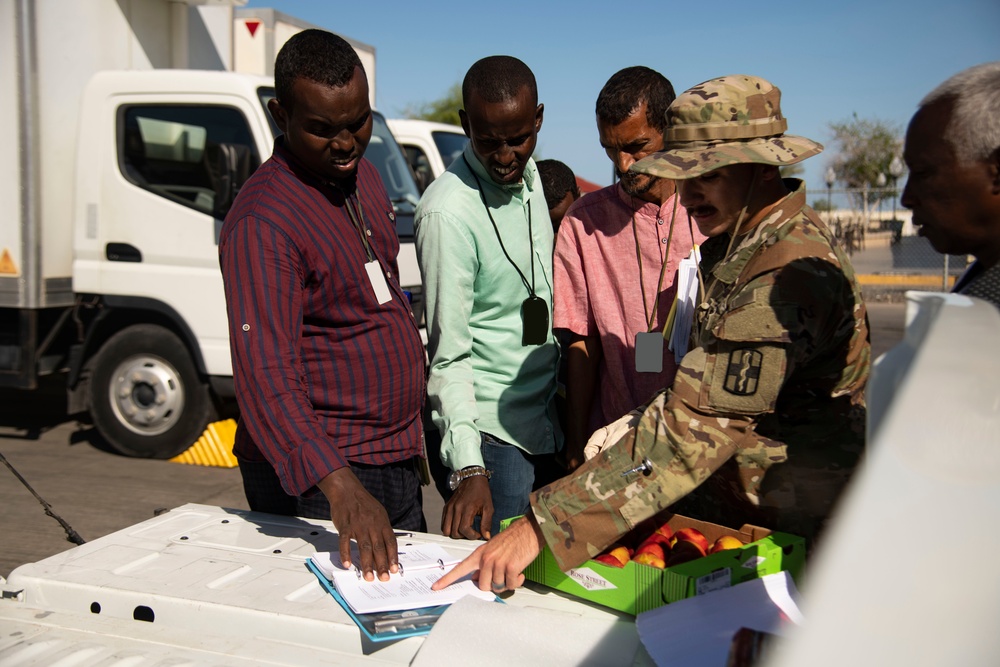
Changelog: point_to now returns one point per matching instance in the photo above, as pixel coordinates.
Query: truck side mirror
(229, 167)
(421, 171)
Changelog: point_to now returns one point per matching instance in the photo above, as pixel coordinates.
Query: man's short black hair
(630, 87)
(316, 55)
(557, 180)
(497, 79)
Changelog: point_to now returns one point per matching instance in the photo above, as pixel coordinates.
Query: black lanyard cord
(496, 230)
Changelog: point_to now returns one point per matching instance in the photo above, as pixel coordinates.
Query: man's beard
(633, 184)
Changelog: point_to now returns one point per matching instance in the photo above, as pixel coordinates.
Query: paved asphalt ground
(97, 492)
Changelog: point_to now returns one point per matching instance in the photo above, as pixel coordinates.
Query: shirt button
(368, 232)
(664, 241)
(388, 273)
(392, 216)
(246, 327)
(659, 221)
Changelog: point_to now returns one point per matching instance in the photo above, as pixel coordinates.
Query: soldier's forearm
(669, 454)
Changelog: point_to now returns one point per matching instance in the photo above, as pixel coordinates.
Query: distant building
(587, 186)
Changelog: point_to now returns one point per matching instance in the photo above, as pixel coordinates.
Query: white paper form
(421, 566)
(699, 631)
(410, 555)
(687, 301)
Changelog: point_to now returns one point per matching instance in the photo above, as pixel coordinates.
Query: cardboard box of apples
(671, 559)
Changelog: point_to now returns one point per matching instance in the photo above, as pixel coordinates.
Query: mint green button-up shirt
(481, 378)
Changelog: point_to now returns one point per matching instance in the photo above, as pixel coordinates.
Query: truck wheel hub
(146, 395)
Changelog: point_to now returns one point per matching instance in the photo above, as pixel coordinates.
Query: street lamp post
(880, 184)
(831, 178)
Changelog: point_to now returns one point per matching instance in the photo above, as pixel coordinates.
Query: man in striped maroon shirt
(327, 360)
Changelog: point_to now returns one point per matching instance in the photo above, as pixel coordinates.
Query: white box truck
(132, 135)
(430, 147)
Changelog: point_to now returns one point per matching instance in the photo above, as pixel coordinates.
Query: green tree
(442, 110)
(864, 148)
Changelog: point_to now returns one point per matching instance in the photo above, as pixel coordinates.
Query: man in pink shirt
(616, 256)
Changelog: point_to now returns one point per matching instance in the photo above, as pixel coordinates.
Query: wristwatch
(458, 476)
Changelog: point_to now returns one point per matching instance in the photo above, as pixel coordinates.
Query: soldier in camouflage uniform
(765, 420)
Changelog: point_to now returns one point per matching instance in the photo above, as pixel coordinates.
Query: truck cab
(430, 147)
(146, 340)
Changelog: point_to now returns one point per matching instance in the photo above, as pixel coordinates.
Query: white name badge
(649, 352)
(377, 279)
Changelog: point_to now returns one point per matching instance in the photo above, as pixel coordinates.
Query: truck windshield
(388, 158)
(450, 145)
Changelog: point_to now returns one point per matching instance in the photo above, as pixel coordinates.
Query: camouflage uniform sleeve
(708, 417)
(684, 439)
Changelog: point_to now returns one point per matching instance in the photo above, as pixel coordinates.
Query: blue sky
(830, 59)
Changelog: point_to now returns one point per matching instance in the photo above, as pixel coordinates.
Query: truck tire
(146, 398)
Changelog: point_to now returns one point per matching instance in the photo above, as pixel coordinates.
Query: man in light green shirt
(484, 244)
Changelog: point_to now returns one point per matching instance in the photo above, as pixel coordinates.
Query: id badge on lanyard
(377, 278)
(649, 352)
(534, 321)
(649, 344)
(534, 309)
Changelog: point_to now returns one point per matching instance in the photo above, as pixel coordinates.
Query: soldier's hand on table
(608, 435)
(471, 499)
(358, 516)
(501, 561)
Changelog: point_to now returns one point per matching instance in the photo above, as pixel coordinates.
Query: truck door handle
(122, 252)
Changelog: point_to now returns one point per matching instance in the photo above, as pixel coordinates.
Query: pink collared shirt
(597, 289)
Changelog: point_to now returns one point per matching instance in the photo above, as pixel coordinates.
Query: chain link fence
(888, 255)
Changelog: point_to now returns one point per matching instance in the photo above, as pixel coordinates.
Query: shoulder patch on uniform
(743, 372)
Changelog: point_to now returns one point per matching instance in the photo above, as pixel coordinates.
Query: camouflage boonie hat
(734, 119)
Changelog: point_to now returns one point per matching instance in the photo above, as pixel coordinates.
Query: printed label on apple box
(590, 579)
(713, 581)
(753, 562)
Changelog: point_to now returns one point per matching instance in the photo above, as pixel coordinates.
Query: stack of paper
(698, 631)
(687, 301)
(410, 588)
(404, 605)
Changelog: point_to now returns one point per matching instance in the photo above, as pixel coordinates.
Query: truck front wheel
(146, 399)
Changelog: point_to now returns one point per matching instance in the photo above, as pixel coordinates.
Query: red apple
(664, 530)
(616, 555)
(651, 559)
(726, 542)
(692, 535)
(683, 552)
(655, 538)
(621, 552)
(608, 559)
(653, 548)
